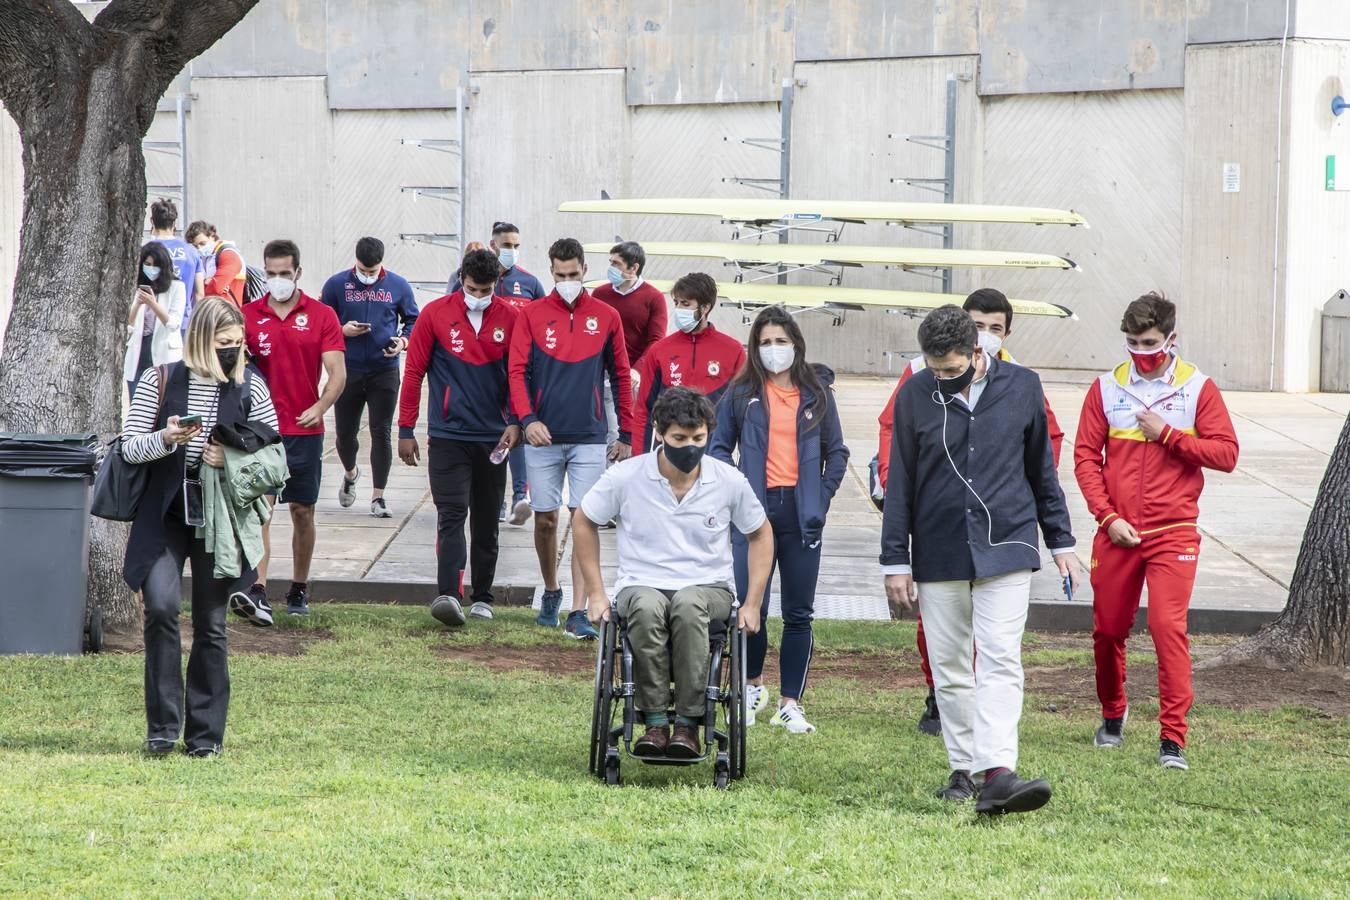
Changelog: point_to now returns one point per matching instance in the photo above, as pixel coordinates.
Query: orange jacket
(229, 278)
(887, 420)
(1153, 485)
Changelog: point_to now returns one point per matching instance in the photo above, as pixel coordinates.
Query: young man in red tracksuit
(567, 349)
(993, 316)
(461, 342)
(1146, 431)
(695, 355)
(640, 306)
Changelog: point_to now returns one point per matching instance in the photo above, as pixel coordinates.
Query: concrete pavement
(1251, 520)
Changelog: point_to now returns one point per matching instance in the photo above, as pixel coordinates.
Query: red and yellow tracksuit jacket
(1153, 485)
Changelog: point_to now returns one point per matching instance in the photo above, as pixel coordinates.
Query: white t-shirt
(669, 545)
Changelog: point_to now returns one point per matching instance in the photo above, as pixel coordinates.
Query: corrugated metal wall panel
(1317, 258)
(877, 29)
(516, 35)
(841, 151)
(278, 37)
(430, 44)
(256, 187)
(708, 52)
(11, 212)
(539, 138)
(1228, 238)
(370, 166)
(1117, 159)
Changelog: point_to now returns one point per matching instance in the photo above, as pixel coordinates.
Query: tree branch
(39, 44)
(179, 30)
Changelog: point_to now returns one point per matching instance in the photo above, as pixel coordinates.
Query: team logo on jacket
(456, 342)
(302, 320)
(1186, 557)
(499, 334)
(550, 337)
(515, 288)
(676, 376)
(714, 368)
(592, 325)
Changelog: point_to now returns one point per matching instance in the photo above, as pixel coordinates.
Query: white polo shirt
(666, 544)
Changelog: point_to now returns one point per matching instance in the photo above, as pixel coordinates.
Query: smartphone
(1068, 588)
(393, 344)
(193, 508)
(365, 325)
(191, 421)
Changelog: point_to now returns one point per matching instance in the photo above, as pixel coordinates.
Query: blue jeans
(798, 568)
(582, 464)
(517, 463)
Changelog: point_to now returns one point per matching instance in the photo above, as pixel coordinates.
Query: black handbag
(119, 485)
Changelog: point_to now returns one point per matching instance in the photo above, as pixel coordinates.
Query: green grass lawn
(373, 765)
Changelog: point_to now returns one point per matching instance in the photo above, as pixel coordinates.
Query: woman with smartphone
(155, 322)
(174, 410)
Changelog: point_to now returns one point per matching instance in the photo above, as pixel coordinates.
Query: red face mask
(1147, 361)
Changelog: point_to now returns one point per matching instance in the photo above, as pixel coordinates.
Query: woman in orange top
(780, 419)
(222, 264)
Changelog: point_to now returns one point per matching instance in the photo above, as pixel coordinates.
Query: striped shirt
(143, 444)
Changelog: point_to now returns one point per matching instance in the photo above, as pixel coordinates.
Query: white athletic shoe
(379, 509)
(520, 513)
(347, 490)
(480, 610)
(756, 698)
(793, 719)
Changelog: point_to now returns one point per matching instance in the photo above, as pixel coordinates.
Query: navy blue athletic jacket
(383, 305)
(822, 457)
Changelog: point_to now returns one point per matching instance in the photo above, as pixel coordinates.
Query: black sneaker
(959, 787)
(252, 605)
(208, 752)
(1169, 755)
(347, 492)
(1006, 793)
(1111, 734)
(297, 601)
(447, 610)
(157, 748)
(930, 722)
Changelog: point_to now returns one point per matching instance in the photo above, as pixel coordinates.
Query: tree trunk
(83, 95)
(1314, 628)
(84, 188)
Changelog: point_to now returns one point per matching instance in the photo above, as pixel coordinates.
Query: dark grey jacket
(933, 520)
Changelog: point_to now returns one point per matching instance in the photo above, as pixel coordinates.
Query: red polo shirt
(289, 352)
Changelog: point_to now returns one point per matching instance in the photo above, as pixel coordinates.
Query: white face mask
(777, 357)
(151, 272)
(569, 291)
(280, 288)
(686, 319)
(991, 343)
(477, 304)
(508, 257)
(367, 279)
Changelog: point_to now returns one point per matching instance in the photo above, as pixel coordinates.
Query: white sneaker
(756, 698)
(347, 490)
(793, 719)
(480, 610)
(520, 513)
(379, 509)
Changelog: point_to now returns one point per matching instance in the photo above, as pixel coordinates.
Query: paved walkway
(1252, 520)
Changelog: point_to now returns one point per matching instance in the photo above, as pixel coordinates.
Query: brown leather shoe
(684, 744)
(653, 743)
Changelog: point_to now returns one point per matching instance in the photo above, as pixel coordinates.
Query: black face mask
(229, 358)
(950, 387)
(684, 458)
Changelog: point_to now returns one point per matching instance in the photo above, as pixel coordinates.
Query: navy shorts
(304, 457)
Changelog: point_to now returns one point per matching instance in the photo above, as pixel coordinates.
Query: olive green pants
(668, 631)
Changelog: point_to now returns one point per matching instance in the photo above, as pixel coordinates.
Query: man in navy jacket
(971, 476)
(377, 312)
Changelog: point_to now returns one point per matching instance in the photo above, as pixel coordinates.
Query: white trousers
(979, 693)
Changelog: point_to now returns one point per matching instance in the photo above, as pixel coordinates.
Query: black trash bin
(44, 541)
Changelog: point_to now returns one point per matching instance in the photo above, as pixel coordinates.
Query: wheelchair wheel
(722, 773)
(736, 706)
(602, 710)
(612, 769)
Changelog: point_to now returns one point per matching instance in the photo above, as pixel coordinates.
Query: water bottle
(499, 453)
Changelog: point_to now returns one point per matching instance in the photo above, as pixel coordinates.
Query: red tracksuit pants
(1166, 561)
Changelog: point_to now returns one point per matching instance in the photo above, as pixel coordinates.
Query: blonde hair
(209, 318)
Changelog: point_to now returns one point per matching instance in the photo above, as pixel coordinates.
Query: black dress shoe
(959, 787)
(930, 722)
(158, 747)
(1006, 793)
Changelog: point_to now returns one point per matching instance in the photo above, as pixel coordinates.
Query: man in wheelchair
(675, 509)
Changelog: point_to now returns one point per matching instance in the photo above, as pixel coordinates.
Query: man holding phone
(295, 341)
(377, 310)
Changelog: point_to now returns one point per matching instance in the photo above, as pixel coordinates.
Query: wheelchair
(615, 716)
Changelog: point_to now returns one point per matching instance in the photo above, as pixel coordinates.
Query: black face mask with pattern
(228, 358)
